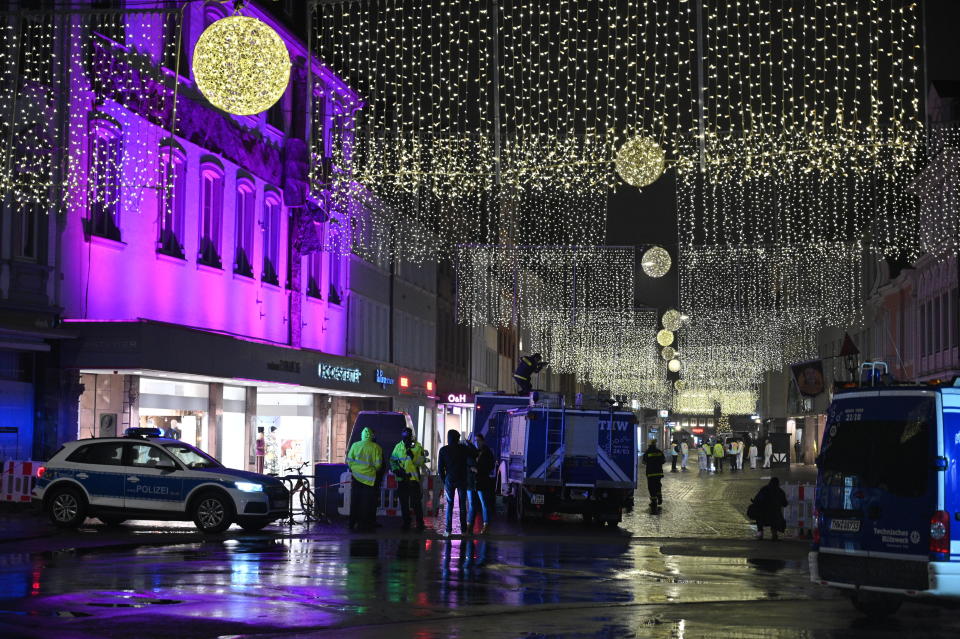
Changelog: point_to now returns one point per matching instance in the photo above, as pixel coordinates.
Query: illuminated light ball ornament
(656, 261)
(674, 365)
(680, 385)
(640, 161)
(668, 353)
(672, 320)
(241, 65)
(664, 337)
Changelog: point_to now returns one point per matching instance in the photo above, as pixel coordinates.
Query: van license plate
(845, 525)
(536, 499)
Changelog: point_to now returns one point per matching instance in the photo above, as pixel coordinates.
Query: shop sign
(383, 380)
(458, 398)
(697, 430)
(286, 365)
(339, 373)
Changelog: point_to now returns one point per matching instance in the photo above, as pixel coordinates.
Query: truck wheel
(876, 604)
(67, 508)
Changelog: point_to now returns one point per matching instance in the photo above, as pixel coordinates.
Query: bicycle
(300, 483)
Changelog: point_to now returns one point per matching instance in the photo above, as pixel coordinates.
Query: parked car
(145, 476)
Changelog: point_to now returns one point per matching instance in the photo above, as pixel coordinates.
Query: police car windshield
(192, 457)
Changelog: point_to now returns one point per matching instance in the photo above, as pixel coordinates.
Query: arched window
(271, 238)
(243, 232)
(103, 196)
(171, 199)
(211, 214)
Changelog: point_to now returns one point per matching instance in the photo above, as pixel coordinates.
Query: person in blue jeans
(481, 489)
(453, 465)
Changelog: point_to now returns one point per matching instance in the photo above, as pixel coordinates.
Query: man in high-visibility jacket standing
(365, 459)
(407, 459)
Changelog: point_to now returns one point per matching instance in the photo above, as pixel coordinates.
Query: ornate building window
(211, 214)
(243, 234)
(103, 196)
(271, 238)
(172, 201)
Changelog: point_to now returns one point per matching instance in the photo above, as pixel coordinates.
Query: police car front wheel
(212, 513)
(67, 508)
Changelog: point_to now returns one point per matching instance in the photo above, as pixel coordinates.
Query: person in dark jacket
(766, 508)
(482, 489)
(653, 459)
(453, 465)
(674, 454)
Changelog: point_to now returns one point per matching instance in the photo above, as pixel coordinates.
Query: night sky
(650, 216)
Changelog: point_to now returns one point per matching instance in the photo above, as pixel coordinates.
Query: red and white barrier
(800, 506)
(17, 481)
(389, 504)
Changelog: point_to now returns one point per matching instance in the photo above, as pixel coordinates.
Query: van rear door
(877, 487)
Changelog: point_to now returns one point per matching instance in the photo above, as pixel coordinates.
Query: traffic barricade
(389, 504)
(18, 478)
(799, 511)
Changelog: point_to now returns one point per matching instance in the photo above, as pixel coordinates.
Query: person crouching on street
(653, 459)
(407, 461)
(365, 460)
(766, 509)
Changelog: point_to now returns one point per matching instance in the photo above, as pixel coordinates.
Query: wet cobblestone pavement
(692, 571)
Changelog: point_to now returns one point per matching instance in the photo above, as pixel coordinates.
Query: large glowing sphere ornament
(680, 384)
(664, 337)
(674, 365)
(672, 320)
(668, 353)
(241, 65)
(656, 261)
(640, 161)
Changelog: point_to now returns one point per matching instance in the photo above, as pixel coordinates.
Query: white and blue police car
(146, 476)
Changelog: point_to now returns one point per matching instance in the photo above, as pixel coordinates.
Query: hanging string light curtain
(115, 74)
(822, 280)
(937, 189)
(828, 86)
(514, 285)
(612, 349)
(118, 79)
(494, 122)
(29, 84)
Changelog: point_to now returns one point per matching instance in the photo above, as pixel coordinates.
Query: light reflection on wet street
(548, 579)
(416, 587)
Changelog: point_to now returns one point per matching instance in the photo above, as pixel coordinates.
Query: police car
(145, 476)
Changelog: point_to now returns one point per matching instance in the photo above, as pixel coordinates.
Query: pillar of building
(250, 426)
(215, 420)
(321, 428)
(130, 410)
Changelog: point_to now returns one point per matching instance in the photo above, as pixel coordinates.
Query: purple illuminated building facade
(196, 285)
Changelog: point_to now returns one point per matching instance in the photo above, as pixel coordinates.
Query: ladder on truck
(554, 446)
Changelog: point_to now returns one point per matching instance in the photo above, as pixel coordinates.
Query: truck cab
(887, 500)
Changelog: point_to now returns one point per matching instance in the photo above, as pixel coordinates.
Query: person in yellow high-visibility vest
(407, 459)
(365, 459)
